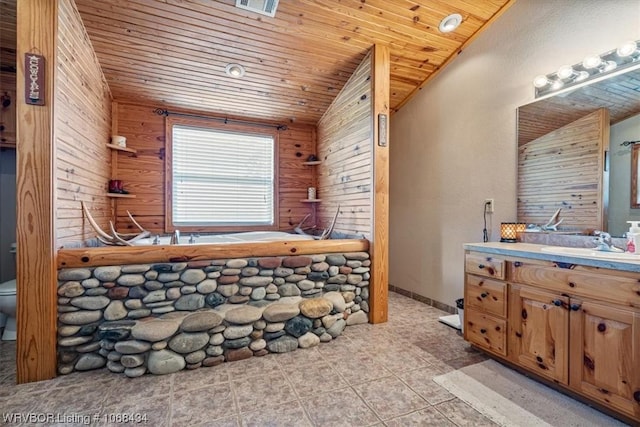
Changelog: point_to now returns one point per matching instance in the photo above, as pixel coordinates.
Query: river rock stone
(155, 330)
(228, 280)
(336, 298)
(359, 256)
(348, 296)
(271, 288)
(196, 356)
(216, 339)
(316, 307)
(115, 311)
(73, 341)
(71, 289)
(258, 345)
(138, 292)
(188, 342)
(244, 315)
(213, 361)
(246, 290)
(270, 262)
(320, 266)
(354, 264)
(273, 335)
(107, 274)
(283, 344)
(365, 306)
(191, 302)
(201, 321)
(118, 292)
(256, 281)
(214, 350)
(308, 340)
(163, 362)
(90, 283)
(258, 294)
(168, 277)
(338, 279)
(214, 299)
(75, 274)
(302, 270)
(81, 317)
(250, 271)
(228, 290)
(151, 275)
(207, 286)
(237, 343)
(65, 330)
(336, 329)
(90, 361)
(91, 303)
(135, 372)
(237, 263)
(345, 270)
(295, 278)
(296, 261)
(354, 279)
(139, 313)
(274, 327)
(306, 285)
(298, 326)
(115, 367)
(283, 272)
(336, 259)
(132, 360)
(193, 276)
(235, 332)
(188, 289)
(132, 347)
(233, 355)
(153, 285)
(288, 290)
(318, 275)
(278, 312)
(130, 280)
(357, 318)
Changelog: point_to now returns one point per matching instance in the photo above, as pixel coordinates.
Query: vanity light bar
(592, 67)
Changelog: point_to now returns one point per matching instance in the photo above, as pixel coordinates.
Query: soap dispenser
(632, 236)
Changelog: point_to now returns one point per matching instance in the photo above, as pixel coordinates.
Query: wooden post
(379, 250)
(36, 266)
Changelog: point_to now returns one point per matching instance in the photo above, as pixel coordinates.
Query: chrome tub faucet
(175, 238)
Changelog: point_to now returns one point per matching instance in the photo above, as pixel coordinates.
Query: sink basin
(591, 253)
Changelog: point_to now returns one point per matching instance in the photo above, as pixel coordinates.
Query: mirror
(549, 118)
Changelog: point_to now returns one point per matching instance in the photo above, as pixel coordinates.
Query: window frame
(170, 122)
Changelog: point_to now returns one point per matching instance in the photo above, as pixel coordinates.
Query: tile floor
(373, 375)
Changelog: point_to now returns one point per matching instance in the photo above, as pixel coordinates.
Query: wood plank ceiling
(174, 52)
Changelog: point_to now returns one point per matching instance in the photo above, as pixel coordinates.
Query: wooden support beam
(379, 250)
(36, 272)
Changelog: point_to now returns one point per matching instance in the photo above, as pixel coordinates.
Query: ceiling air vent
(263, 7)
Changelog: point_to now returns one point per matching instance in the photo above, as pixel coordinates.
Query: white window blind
(222, 178)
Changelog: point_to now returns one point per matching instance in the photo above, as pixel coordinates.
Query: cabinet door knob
(481, 266)
(484, 295)
(576, 307)
(483, 331)
(557, 302)
(517, 264)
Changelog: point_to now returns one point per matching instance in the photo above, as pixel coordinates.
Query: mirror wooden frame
(635, 195)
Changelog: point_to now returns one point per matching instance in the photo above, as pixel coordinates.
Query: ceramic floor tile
(399, 359)
(299, 358)
(209, 403)
(251, 367)
(421, 381)
(230, 421)
(424, 417)
(288, 414)
(359, 369)
(185, 381)
(462, 414)
(338, 408)
(262, 392)
(314, 379)
(389, 397)
(155, 411)
(124, 389)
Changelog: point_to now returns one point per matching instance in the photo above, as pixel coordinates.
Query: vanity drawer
(484, 265)
(486, 295)
(598, 284)
(485, 331)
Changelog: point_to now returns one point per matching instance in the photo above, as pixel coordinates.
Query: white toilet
(8, 307)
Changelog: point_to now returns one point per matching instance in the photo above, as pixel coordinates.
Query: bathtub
(250, 236)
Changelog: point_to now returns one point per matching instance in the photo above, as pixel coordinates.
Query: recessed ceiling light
(234, 70)
(450, 23)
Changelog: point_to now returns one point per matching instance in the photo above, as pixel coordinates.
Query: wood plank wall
(143, 173)
(82, 128)
(564, 169)
(344, 147)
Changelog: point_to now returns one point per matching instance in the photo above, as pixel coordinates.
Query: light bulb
(557, 85)
(627, 49)
(591, 61)
(610, 65)
(582, 75)
(565, 71)
(540, 81)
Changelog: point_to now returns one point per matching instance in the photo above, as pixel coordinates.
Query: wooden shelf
(315, 162)
(119, 148)
(311, 200)
(121, 196)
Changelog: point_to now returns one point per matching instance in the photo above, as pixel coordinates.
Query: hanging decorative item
(34, 90)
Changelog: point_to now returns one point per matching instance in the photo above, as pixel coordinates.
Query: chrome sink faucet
(175, 238)
(604, 243)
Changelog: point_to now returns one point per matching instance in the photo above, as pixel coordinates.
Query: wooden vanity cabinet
(574, 325)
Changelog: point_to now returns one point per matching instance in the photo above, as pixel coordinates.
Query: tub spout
(175, 238)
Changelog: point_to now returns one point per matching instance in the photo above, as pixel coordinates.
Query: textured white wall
(454, 144)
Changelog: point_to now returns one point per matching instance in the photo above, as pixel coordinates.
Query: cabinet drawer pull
(557, 302)
(517, 264)
(484, 295)
(576, 307)
(483, 331)
(481, 266)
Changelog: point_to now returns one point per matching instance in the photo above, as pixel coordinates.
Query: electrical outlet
(488, 205)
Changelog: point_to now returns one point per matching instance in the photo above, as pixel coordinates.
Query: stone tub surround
(164, 317)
